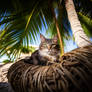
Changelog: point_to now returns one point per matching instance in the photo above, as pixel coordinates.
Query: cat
(48, 52)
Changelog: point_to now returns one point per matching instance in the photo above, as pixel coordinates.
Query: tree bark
(80, 37)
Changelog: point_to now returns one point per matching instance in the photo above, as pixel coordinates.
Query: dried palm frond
(73, 74)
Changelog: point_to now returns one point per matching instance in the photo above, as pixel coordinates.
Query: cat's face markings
(44, 42)
(49, 46)
(54, 40)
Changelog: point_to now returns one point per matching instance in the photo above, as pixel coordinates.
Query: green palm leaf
(86, 24)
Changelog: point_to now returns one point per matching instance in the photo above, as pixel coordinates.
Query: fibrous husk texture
(73, 74)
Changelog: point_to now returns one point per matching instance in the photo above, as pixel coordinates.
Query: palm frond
(86, 24)
(22, 22)
(21, 29)
(84, 6)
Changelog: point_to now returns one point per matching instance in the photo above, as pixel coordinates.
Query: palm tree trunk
(80, 37)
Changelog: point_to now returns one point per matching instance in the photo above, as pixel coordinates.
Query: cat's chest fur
(47, 56)
(40, 58)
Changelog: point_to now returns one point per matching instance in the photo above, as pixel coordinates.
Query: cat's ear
(42, 38)
(55, 39)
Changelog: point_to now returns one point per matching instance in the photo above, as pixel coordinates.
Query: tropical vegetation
(22, 21)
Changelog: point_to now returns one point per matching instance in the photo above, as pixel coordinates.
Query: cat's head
(49, 46)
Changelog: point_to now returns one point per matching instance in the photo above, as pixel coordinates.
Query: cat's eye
(54, 45)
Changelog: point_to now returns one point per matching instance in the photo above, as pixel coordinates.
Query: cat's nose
(49, 47)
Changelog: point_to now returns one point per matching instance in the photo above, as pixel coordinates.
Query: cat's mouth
(54, 53)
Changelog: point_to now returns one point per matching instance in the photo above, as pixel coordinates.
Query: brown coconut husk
(73, 74)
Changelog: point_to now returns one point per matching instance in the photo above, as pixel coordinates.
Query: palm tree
(57, 77)
(80, 37)
(22, 24)
(14, 33)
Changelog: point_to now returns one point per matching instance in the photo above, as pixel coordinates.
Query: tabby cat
(48, 52)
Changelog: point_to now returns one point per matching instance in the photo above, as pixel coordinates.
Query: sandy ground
(4, 85)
